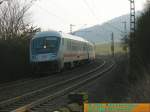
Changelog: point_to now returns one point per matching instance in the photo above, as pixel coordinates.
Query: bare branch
(12, 17)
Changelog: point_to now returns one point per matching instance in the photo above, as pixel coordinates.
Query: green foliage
(140, 49)
(142, 40)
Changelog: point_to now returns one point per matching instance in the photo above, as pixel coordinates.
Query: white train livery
(56, 50)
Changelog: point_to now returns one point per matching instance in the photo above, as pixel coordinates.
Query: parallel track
(21, 82)
(29, 100)
(26, 81)
(14, 90)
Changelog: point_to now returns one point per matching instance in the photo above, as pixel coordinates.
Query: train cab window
(45, 45)
(50, 42)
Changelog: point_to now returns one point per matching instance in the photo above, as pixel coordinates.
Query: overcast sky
(58, 14)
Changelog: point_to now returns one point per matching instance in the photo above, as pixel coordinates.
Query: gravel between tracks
(58, 100)
(10, 92)
(111, 87)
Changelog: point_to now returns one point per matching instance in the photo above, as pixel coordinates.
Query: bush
(140, 51)
(14, 58)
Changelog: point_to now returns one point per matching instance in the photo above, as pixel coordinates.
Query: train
(57, 50)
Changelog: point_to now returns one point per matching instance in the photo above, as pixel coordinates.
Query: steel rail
(23, 81)
(38, 104)
(13, 83)
(30, 94)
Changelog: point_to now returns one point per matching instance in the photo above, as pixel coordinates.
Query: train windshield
(45, 45)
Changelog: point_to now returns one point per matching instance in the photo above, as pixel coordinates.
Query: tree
(140, 60)
(13, 18)
(15, 32)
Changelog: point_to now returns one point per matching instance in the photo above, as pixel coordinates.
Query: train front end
(44, 47)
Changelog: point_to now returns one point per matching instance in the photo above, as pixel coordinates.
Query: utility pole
(132, 16)
(71, 25)
(112, 44)
(132, 25)
(132, 57)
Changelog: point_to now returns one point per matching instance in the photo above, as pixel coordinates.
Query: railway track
(33, 99)
(41, 82)
(22, 82)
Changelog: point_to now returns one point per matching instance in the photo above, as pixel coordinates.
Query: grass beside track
(105, 49)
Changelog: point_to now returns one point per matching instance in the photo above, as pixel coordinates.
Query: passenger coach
(56, 50)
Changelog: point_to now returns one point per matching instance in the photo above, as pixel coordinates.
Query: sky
(59, 14)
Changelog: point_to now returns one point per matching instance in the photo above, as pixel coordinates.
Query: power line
(92, 12)
(90, 9)
(52, 14)
(60, 7)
